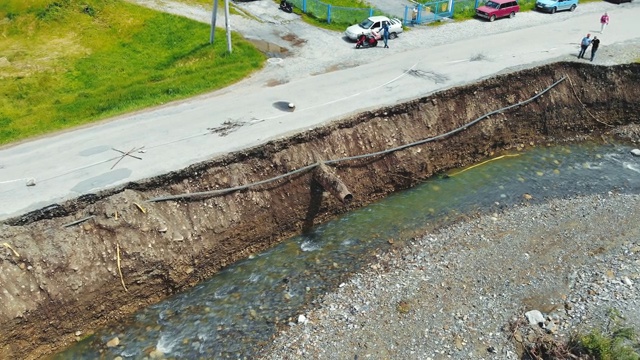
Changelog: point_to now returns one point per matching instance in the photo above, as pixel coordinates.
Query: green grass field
(344, 13)
(65, 63)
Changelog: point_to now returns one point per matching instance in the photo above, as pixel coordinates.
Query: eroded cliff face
(57, 280)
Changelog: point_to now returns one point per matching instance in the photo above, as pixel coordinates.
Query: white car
(374, 23)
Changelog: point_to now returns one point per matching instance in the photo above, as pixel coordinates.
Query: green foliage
(53, 11)
(617, 345)
(16, 7)
(71, 62)
(322, 23)
(464, 13)
(527, 5)
(348, 3)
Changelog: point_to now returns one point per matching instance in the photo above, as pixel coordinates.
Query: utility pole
(226, 24)
(214, 15)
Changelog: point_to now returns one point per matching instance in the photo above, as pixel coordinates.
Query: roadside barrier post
(406, 12)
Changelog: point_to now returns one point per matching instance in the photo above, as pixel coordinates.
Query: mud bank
(60, 280)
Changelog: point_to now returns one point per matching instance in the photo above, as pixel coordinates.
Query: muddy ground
(61, 278)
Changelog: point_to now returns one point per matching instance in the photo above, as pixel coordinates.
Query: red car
(494, 9)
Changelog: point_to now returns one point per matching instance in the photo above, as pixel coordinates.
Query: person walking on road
(594, 46)
(385, 33)
(584, 44)
(604, 21)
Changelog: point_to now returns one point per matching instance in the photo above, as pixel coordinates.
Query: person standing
(385, 33)
(594, 46)
(604, 21)
(584, 44)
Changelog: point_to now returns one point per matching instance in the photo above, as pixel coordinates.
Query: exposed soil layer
(58, 280)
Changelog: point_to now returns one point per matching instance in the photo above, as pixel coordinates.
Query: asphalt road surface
(52, 169)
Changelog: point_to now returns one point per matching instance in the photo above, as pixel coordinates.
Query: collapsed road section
(70, 268)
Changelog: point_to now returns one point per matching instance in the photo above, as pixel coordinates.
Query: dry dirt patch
(294, 39)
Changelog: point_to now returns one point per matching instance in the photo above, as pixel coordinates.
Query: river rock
(302, 319)
(535, 317)
(113, 342)
(635, 152)
(551, 327)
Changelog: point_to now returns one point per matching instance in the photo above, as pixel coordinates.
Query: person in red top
(604, 21)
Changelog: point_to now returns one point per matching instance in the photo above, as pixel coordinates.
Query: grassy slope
(65, 63)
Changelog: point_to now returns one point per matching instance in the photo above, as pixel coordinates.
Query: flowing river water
(239, 309)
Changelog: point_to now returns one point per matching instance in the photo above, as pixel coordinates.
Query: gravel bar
(455, 293)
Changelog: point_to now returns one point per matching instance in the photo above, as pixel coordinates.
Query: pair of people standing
(585, 43)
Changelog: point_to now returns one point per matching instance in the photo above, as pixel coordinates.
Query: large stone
(113, 342)
(535, 317)
(635, 152)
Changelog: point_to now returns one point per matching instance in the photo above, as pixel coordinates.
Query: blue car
(552, 6)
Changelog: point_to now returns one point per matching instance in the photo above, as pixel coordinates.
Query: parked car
(552, 6)
(374, 23)
(494, 9)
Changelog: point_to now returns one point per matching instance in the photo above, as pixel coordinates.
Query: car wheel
(573, 7)
(393, 35)
(512, 15)
(492, 18)
(553, 10)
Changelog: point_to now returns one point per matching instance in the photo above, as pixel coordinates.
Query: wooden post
(331, 183)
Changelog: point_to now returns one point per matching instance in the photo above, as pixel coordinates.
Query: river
(240, 309)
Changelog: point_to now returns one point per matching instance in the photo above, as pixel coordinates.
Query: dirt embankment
(58, 280)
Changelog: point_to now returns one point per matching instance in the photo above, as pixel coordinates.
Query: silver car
(374, 23)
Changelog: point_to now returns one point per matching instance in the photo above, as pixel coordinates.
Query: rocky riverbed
(462, 292)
